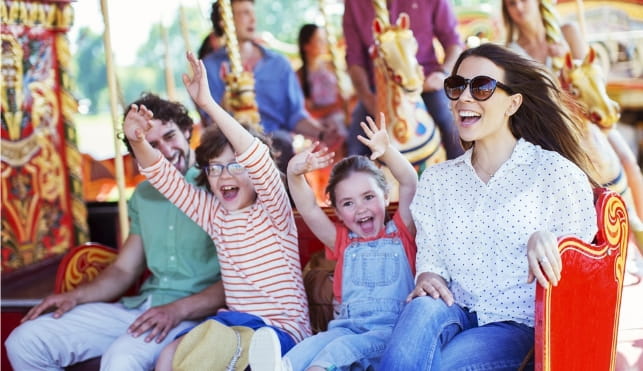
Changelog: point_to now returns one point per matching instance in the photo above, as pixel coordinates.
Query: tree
(90, 63)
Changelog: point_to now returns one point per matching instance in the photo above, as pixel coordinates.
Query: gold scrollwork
(11, 92)
(19, 12)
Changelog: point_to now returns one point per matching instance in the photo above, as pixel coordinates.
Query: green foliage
(90, 63)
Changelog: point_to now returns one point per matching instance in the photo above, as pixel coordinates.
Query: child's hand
(137, 123)
(312, 158)
(197, 85)
(378, 141)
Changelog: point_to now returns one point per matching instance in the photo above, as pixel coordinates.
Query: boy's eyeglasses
(480, 87)
(215, 170)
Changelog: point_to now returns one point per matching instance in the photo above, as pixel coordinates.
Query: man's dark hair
(163, 110)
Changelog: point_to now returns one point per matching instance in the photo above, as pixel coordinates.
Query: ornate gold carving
(28, 13)
(11, 95)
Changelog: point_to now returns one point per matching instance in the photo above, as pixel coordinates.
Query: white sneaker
(265, 351)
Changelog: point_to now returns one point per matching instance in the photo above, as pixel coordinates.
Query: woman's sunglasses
(480, 87)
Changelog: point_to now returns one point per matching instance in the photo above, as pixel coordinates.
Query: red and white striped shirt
(257, 246)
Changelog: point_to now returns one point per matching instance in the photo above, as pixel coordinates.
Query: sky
(129, 20)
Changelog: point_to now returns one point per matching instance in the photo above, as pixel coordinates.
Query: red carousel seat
(82, 264)
(577, 321)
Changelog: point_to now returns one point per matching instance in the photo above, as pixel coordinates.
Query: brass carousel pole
(118, 157)
(552, 29)
(336, 60)
(170, 87)
(239, 97)
(183, 23)
(581, 16)
(381, 12)
(232, 44)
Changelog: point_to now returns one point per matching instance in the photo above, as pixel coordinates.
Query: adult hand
(433, 285)
(378, 140)
(137, 123)
(60, 302)
(160, 320)
(312, 158)
(434, 81)
(543, 257)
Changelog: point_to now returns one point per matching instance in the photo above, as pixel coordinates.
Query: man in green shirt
(184, 284)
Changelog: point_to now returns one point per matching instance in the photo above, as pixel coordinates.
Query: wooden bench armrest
(577, 321)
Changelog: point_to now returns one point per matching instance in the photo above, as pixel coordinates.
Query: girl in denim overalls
(375, 258)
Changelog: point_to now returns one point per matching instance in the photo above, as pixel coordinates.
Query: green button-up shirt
(180, 255)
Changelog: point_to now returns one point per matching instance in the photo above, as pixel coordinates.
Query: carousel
(59, 231)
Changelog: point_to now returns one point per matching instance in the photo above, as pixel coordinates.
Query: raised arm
(308, 160)
(137, 123)
(381, 147)
(197, 87)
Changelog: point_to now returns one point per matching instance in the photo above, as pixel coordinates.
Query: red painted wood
(577, 321)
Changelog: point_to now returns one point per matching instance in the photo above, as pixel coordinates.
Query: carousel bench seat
(576, 321)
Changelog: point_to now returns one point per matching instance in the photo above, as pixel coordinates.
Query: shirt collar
(523, 154)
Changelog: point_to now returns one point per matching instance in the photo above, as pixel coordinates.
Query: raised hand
(137, 123)
(312, 158)
(61, 303)
(197, 84)
(378, 140)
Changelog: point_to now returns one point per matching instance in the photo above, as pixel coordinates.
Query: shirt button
(164, 279)
(171, 227)
(172, 258)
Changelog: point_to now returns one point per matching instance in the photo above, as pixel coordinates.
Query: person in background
(321, 91)
(487, 221)
(278, 94)
(318, 79)
(525, 33)
(429, 19)
(183, 286)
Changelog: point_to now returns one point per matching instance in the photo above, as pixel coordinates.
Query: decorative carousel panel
(41, 216)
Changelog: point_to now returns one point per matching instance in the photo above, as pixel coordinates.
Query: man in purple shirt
(429, 19)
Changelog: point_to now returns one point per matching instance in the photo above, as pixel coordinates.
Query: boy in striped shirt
(246, 211)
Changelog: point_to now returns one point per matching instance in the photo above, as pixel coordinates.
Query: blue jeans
(430, 335)
(375, 282)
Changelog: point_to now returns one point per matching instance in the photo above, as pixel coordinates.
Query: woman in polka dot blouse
(487, 221)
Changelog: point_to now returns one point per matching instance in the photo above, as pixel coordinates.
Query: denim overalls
(376, 281)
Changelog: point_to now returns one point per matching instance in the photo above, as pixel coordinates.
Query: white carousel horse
(614, 162)
(398, 84)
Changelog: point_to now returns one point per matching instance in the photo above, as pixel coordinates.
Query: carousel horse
(613, 161)
(398, 84)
